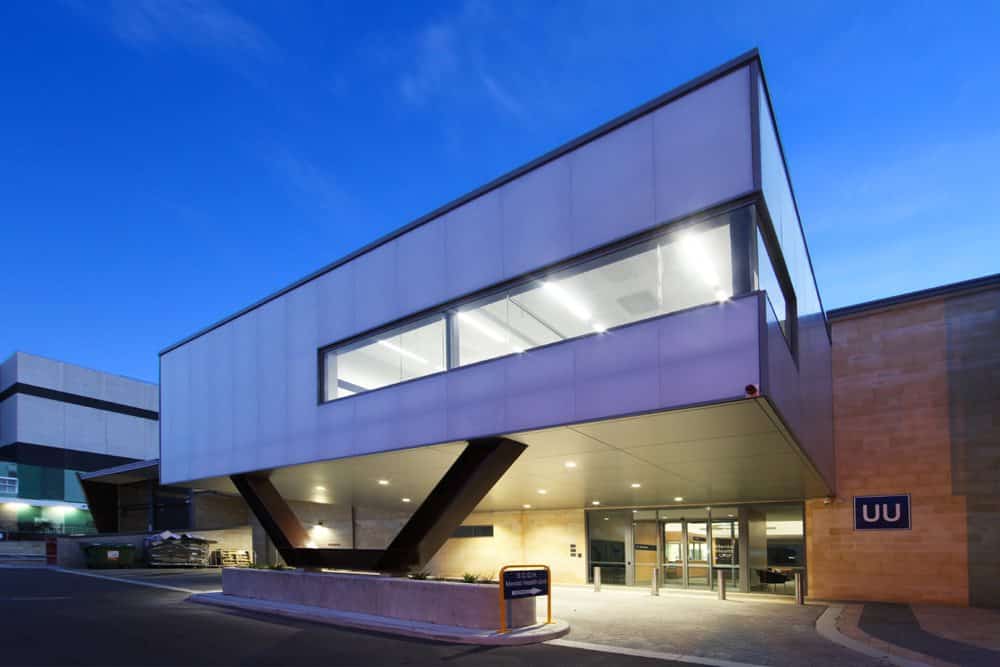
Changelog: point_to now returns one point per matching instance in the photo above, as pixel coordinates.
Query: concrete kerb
(532, 634)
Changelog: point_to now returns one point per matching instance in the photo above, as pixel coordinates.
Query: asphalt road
(55, 618)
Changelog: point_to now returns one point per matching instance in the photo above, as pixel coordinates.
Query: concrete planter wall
(441, 602)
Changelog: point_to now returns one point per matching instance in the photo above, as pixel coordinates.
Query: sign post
(524, 581)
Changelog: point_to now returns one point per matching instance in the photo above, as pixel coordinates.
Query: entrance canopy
(730, 452)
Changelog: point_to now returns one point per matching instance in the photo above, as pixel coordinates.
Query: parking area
(199, 580)
(61, 618)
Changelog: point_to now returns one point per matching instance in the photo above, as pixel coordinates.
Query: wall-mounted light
(570, 464)
(595, 502)
(678, 499)
(406, 500)
(636, 485)
(383, 482)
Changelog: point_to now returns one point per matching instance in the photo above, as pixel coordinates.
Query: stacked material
(232, 558)
(168, 549)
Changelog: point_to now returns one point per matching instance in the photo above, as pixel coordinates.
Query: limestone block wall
(916, 399)
(529, 536)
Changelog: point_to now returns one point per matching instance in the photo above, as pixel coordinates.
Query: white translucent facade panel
(703, 354)
(389, 358)
(646, 280)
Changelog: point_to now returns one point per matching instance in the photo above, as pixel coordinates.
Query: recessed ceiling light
(595, 502)
(526, 506)
(678, 499)
(636, 485)
(406, 500)
(320, 488)
(383, 482)
(542, 492)
(570, 464)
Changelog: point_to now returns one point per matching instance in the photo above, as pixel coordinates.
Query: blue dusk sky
(167, 162)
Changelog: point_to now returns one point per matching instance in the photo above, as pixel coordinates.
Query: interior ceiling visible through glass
(683, 269)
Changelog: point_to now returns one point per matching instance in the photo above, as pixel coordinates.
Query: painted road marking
(655, 655)
(136, 582)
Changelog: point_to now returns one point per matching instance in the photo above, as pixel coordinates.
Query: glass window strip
(684, 266)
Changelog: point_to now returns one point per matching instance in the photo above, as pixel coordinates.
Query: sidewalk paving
(760, 630)
(898, 624)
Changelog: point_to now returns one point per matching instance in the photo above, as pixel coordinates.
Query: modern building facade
(615, 355)
(57, 420)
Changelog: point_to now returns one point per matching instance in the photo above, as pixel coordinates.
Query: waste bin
(106, 556)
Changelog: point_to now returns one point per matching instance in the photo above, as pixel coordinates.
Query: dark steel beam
(480, 465)
(102, 501)
(273, 513)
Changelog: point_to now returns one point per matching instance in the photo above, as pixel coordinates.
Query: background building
(56, 420)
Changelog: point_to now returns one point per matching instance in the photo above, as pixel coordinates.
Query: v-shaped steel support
(476, 470)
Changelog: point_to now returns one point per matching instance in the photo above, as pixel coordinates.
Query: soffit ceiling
(721, 453)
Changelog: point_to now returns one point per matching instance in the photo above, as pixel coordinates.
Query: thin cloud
(449, 58)
(203, 25)
(311, 186)
(436, 60)
(500, 95)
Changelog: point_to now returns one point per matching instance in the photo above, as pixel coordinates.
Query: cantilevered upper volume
(640, 301)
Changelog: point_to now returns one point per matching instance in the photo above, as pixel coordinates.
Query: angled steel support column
(273, 513)
(102, 501)
(288, 534)
(480, 465)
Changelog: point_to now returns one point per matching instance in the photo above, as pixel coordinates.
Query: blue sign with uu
(882, 512)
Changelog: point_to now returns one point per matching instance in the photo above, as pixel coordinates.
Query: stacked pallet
(171, 550)
(233, 558)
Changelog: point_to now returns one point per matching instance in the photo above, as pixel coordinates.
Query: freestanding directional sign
(525, 583)
(882, 512)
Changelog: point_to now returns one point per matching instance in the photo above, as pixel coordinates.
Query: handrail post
(800, 591)
(721, 578)
(597, 578)
(654, 582)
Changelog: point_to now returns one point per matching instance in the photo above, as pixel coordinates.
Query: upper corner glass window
(767, 281)
(400, 354)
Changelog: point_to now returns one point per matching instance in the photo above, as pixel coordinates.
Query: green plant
(420, 574)
(470, 578)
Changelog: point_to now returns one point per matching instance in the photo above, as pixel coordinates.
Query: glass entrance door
(687, 547)
(726, 546)
(673, 553)
(698, 554)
